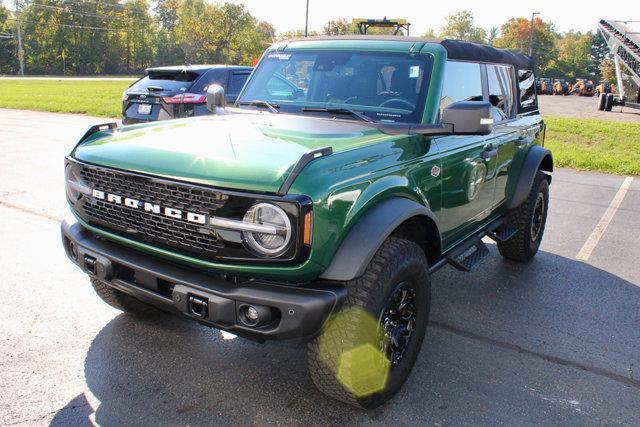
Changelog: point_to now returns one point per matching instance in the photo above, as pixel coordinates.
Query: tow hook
(90, 264)
(198, 307)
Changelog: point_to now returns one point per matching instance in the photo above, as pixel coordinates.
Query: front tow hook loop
(90, 264)
(198, 307)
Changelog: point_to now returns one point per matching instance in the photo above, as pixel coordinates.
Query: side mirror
(469, 118)
(215, 98)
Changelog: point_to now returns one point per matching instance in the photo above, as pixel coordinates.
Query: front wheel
(366, 352)
(530, 219)
(121, 301)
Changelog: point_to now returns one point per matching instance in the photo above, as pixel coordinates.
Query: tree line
(125, 37)
(114, 37)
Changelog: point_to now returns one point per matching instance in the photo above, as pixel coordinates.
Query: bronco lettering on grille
(150, 207)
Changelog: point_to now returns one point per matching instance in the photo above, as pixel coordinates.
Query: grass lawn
(597, 145)
(99, 98)
(587, 144)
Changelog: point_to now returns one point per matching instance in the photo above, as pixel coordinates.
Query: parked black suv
(174, 92)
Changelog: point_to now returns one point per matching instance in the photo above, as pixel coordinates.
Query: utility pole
(306, 24)
(531, 37)
(19, 34)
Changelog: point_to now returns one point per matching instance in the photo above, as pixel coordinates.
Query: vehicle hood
(252, 152)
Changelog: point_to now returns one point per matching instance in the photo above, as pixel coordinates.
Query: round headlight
(275, 240)
(72, 179)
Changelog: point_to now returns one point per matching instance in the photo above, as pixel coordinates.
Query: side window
(236, 82)
(501, 88)
(211, 76)
(527, 89)
(462, 82)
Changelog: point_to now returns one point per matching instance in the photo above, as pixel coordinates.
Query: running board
(468, 255)
(471, 252)
(501, 234)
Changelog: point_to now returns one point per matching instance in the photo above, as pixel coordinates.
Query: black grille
(150, 227)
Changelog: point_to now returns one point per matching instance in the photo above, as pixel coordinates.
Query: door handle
(489, 153)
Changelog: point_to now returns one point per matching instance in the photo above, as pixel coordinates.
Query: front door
(468, 182)
(468, 162)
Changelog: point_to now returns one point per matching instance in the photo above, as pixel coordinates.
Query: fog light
(252, 314)
(255, 315)
(73, 250)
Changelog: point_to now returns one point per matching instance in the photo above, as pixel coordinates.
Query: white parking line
(596, 235)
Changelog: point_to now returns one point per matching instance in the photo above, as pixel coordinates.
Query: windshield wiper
(338, 111)
(259, 103)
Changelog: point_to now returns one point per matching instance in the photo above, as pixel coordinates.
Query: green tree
(599, 52)
(518, 34)
(492, 35)
(266, 31)
(460, 26)
(140, 35)
(166, 12)
(431, 34)
(573, 56)
(215, 33)
(7, 43)
(338, 27)
(608, 70)
(295, 34)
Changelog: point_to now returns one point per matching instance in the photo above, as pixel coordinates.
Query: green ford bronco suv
(317, 207)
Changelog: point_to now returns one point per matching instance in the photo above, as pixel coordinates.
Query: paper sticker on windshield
(414, 72)
(280, 56)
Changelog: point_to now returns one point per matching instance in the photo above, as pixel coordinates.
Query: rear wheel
(366, 352)
(530, 219)
(120, 300)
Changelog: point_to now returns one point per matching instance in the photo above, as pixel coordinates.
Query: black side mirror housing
(215, 98)
(469, 118)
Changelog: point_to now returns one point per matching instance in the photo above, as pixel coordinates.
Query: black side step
(468, 255)
(471, 252)
(501, 234)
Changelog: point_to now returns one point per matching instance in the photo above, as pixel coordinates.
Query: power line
(83, 27)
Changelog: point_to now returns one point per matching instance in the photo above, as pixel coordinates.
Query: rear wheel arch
(537, 159)
(396, 216)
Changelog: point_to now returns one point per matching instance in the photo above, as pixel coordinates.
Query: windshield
(166, 80)
(384, 86)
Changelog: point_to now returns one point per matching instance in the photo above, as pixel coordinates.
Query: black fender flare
(369, 233)
(537, 158)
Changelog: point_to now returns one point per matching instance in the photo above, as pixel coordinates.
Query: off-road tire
(523, 246)
(608, 106)
(120, 300)
(396, 261)
(602, 101)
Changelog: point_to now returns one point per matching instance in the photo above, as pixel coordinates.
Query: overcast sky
(423, 14)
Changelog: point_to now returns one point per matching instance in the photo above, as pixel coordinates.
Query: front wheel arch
(397, 216)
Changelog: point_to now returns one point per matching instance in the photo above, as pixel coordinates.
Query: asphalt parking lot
(574, 106)
(555, 341)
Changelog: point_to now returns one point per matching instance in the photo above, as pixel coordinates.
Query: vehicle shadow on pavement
(552, 340)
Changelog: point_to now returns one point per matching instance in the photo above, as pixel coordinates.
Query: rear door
(501, 91)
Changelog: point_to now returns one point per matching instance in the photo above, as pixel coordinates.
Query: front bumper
(297, 311)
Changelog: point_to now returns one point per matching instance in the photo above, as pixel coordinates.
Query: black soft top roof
(468, 51)
(456, 49)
